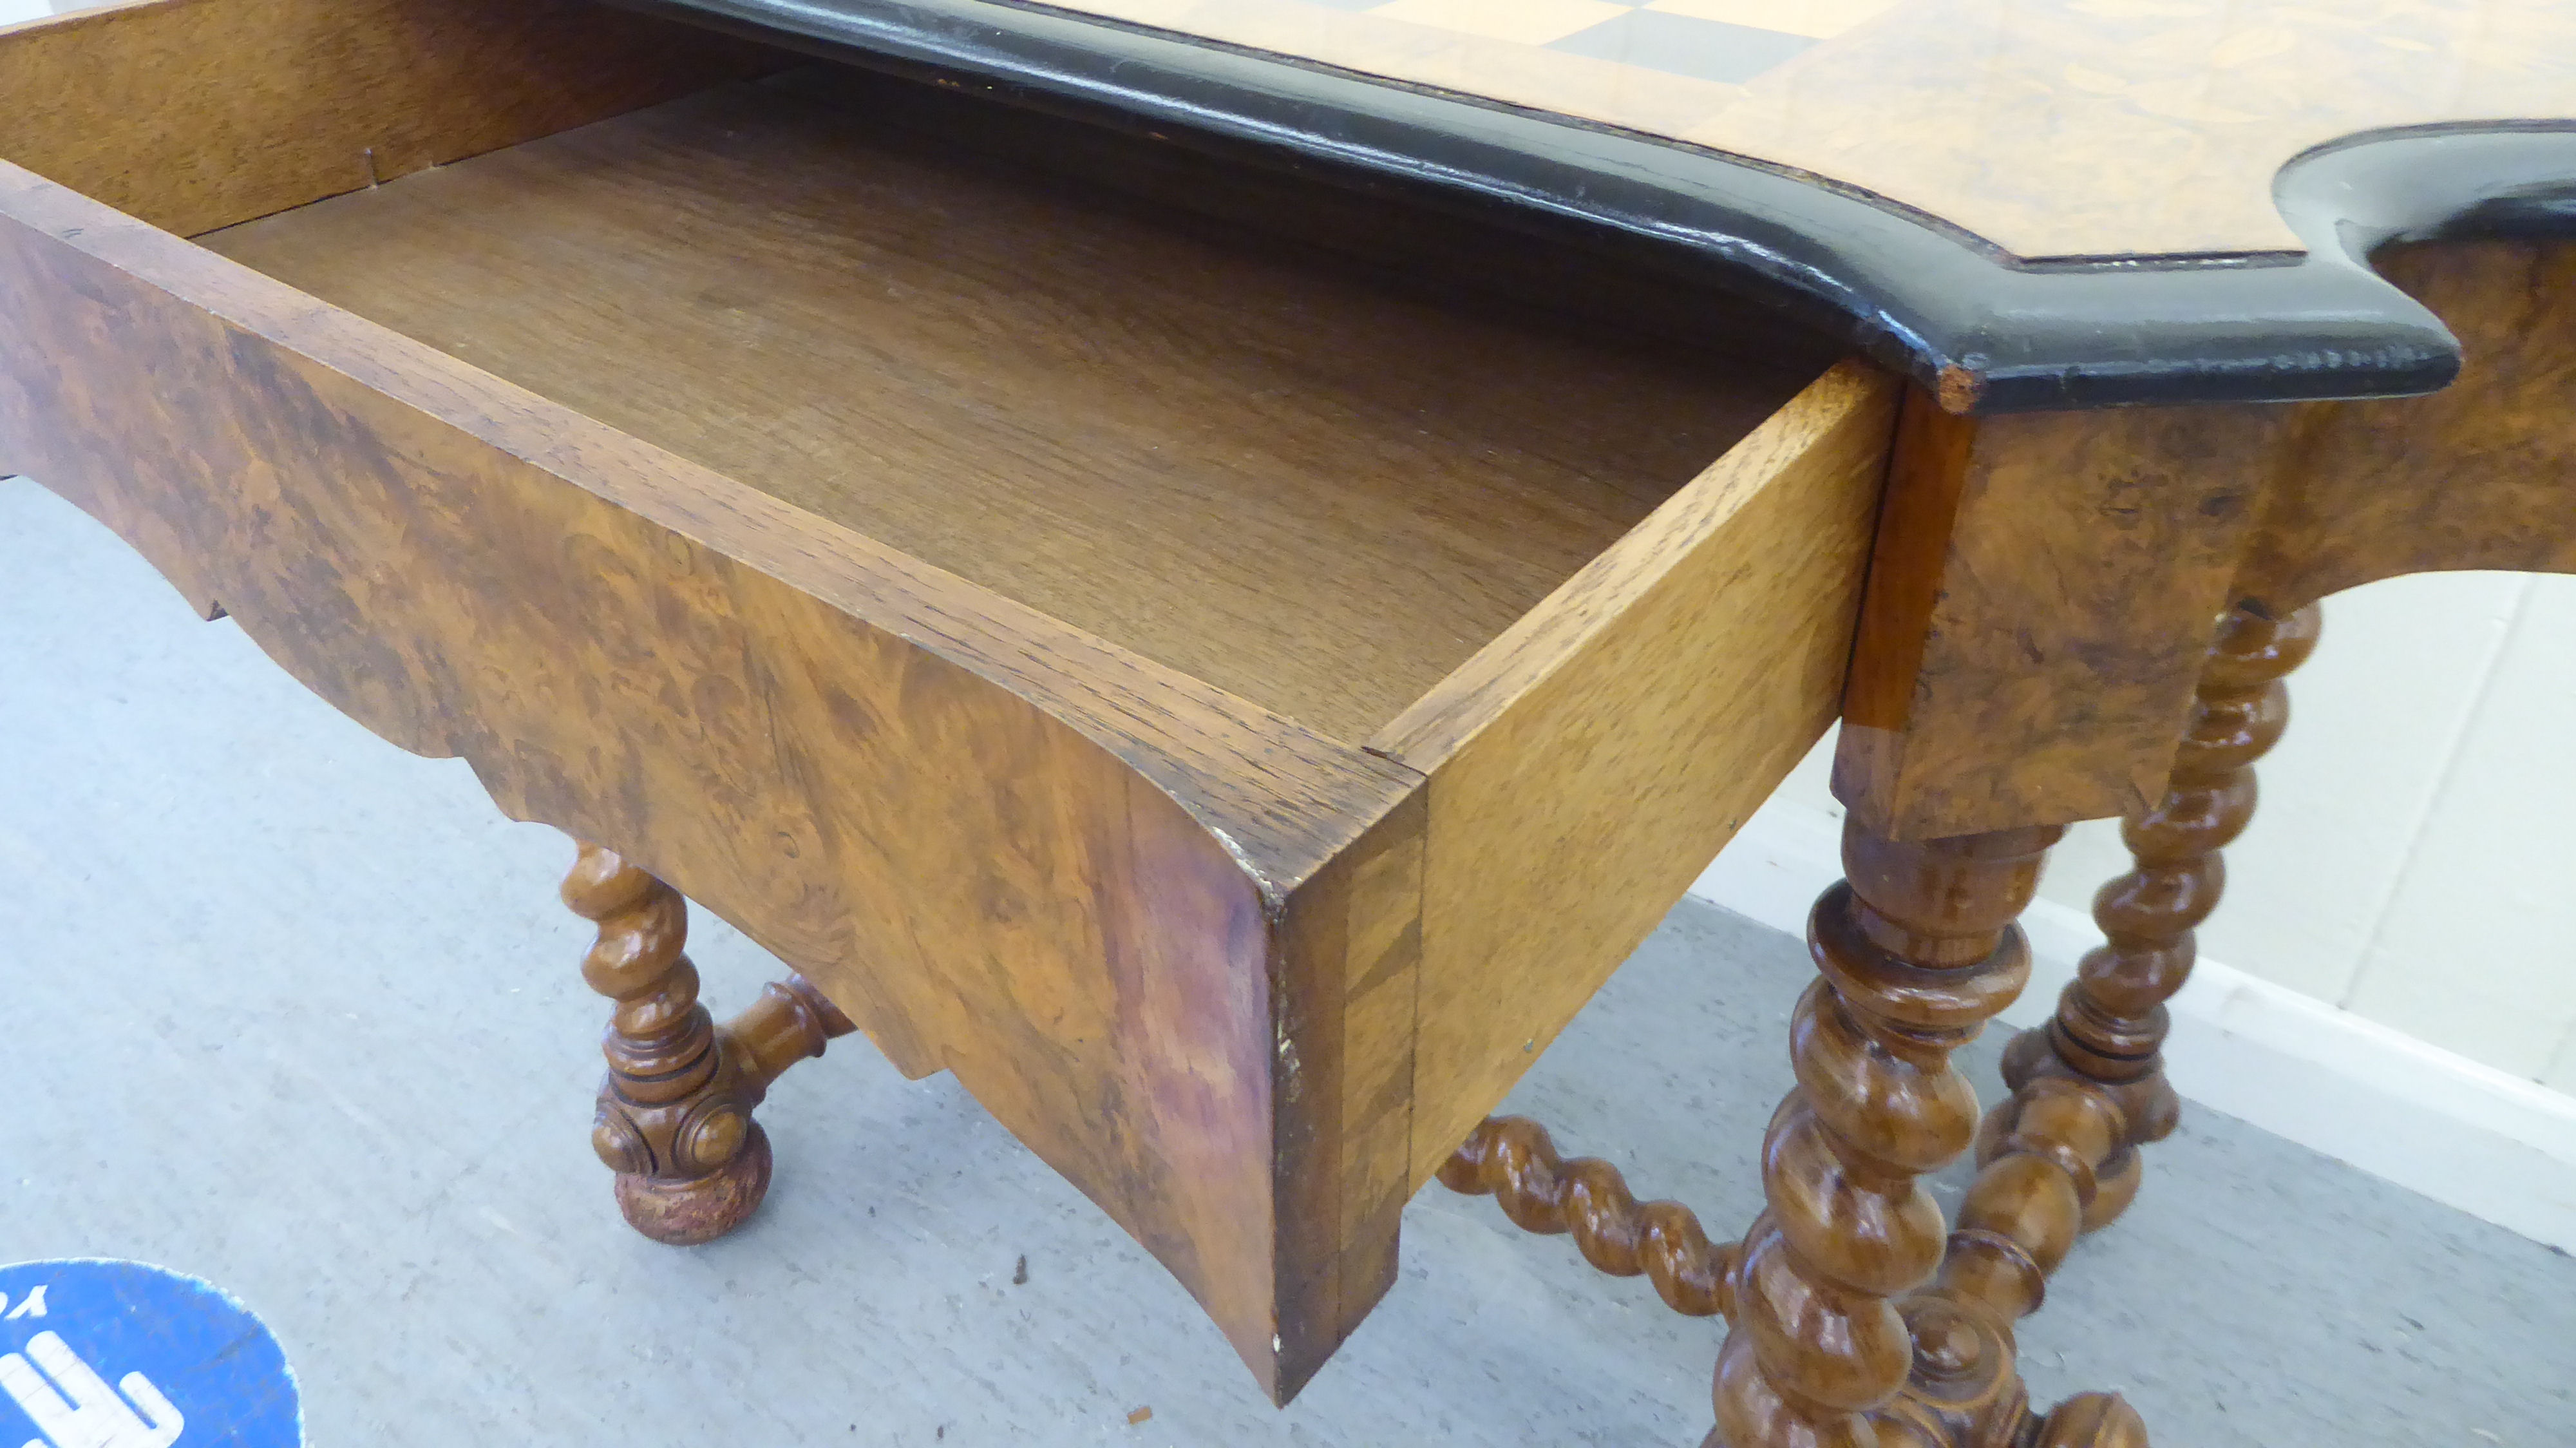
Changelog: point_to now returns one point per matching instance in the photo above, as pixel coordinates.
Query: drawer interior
(1226, 430)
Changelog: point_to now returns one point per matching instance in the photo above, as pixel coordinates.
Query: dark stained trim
(1985, 332)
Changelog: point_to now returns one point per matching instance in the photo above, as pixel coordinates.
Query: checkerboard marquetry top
(1820, 143)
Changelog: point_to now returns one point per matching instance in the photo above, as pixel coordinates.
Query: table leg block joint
(675, 1113)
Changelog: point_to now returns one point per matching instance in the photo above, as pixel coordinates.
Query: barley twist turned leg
(674, 1118)
(1917, 949)
(2111, 1021)
(1965, 1389)
(1829, 1340)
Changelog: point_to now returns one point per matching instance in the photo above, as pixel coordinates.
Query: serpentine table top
(1219, 601)
(2027, 203)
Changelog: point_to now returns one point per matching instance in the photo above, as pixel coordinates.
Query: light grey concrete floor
(288, 1009)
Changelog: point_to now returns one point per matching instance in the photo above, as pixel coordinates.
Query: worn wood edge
(1925, 480)
(1545, 639)
(2041, 595)
(1280, 798)
(1346, 1001)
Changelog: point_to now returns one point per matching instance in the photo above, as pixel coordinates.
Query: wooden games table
(1213, 566)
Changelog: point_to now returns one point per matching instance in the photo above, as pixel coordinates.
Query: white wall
(2392, 975)
(2412, 859)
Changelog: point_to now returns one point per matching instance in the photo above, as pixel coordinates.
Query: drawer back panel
(195, 114)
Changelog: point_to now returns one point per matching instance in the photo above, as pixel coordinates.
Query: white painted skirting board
(2464, 1134)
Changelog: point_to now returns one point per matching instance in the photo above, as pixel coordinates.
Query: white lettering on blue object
(74, 1407)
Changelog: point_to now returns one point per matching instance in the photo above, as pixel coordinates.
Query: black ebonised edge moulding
(1984, 331)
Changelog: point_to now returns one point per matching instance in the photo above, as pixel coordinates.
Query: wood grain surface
(1035, 549)
(1006, 848)
(2043, 588)
(194, 114)
(1345, 1006)
(2049, 128)
(2045, 585)
(2480, 475)
(1589, 764)
(1273, 469)
(1172, 938)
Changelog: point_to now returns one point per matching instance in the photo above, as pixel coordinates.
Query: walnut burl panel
(2045, 585)
(2480, 475)
(2037, 611)
(1214, 963)
(2105, 128)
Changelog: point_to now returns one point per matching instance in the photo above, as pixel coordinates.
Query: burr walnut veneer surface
(1224, 646)
(1223, 663)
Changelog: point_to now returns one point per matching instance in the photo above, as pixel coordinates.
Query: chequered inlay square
(1719, 40)
(1527, 22)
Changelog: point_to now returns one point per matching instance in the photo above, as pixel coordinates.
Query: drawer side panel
(1590, 763)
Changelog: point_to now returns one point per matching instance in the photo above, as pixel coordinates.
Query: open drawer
(1224, 663)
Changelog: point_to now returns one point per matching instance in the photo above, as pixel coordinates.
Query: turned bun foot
(692, 1211)
(674, 1117)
